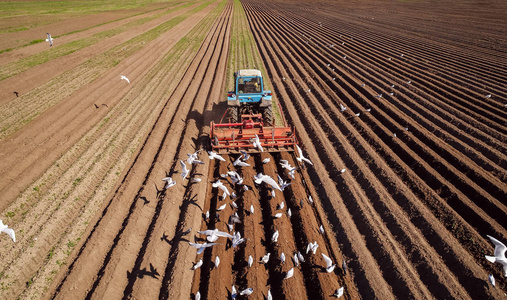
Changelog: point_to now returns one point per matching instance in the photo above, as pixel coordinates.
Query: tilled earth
(422, 141)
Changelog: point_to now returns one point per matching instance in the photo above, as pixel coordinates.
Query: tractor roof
(249, 72)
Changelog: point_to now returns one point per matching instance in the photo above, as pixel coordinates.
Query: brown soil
(82, 186)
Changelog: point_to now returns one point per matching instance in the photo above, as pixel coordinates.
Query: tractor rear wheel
(234, 114)
(267, 115)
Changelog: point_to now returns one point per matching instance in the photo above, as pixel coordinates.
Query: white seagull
(122, 77)
(250, 261)
(197, 296)
(184, 170)
(329, 263)
(283, 184)
(247, 291)
(499, 254)
(49, 39)
(220, 185)
(169, 181)
(266, 160)
(296, 260)
(197, 265)
(301, 157)
(257, 143)
(196, 180)
(265, 258)
(488, 96)
(339, 292)
(289, 274)
(9, 231)
(274, 238)
(222, 207)
(239, 163)
(282, 257)
(213, 155)
(217, 261)
(278, 215)
(201, 247)
(342, 108)
(260, 178)
(214, 234)
(251, 209)
(492, 280)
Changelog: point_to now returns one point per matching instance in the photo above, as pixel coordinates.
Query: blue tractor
(249, 97)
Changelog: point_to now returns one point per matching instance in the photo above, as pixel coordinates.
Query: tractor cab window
(249, 85)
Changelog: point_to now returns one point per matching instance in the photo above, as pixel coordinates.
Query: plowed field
(401, 107)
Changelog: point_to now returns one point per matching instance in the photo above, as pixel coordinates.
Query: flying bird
(260, 178)
(499, 254)
(329, 263)
(342, 108)
(201, 247)
(124, 78)
(257, 143)
(237, 239)
(49, 39)
(239, 163)
(283, 184)
(289, 274)
(213, 155)
(9, 231)
(169, 181)
(301, 158)
(214, 234)
(220, 185)
(184, 170)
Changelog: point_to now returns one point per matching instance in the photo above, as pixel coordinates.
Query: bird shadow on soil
(152, 272)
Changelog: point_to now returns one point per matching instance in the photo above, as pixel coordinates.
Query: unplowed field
(401, 107)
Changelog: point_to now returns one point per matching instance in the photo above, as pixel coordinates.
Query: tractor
(251, 119)
(249, 97)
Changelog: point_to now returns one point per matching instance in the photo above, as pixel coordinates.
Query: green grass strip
(24, 64)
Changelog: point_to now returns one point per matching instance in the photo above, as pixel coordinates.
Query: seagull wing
(499, 247)
(300, 152)
(328, 260)
(267, 179)
(10, 232)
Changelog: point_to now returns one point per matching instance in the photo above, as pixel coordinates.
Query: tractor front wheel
(234, 114)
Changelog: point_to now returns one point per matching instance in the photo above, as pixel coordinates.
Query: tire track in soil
(314, 84)
(135, 206)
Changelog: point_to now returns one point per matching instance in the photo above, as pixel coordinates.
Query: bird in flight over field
(49, 39)
(9, 231)
(124, 78)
